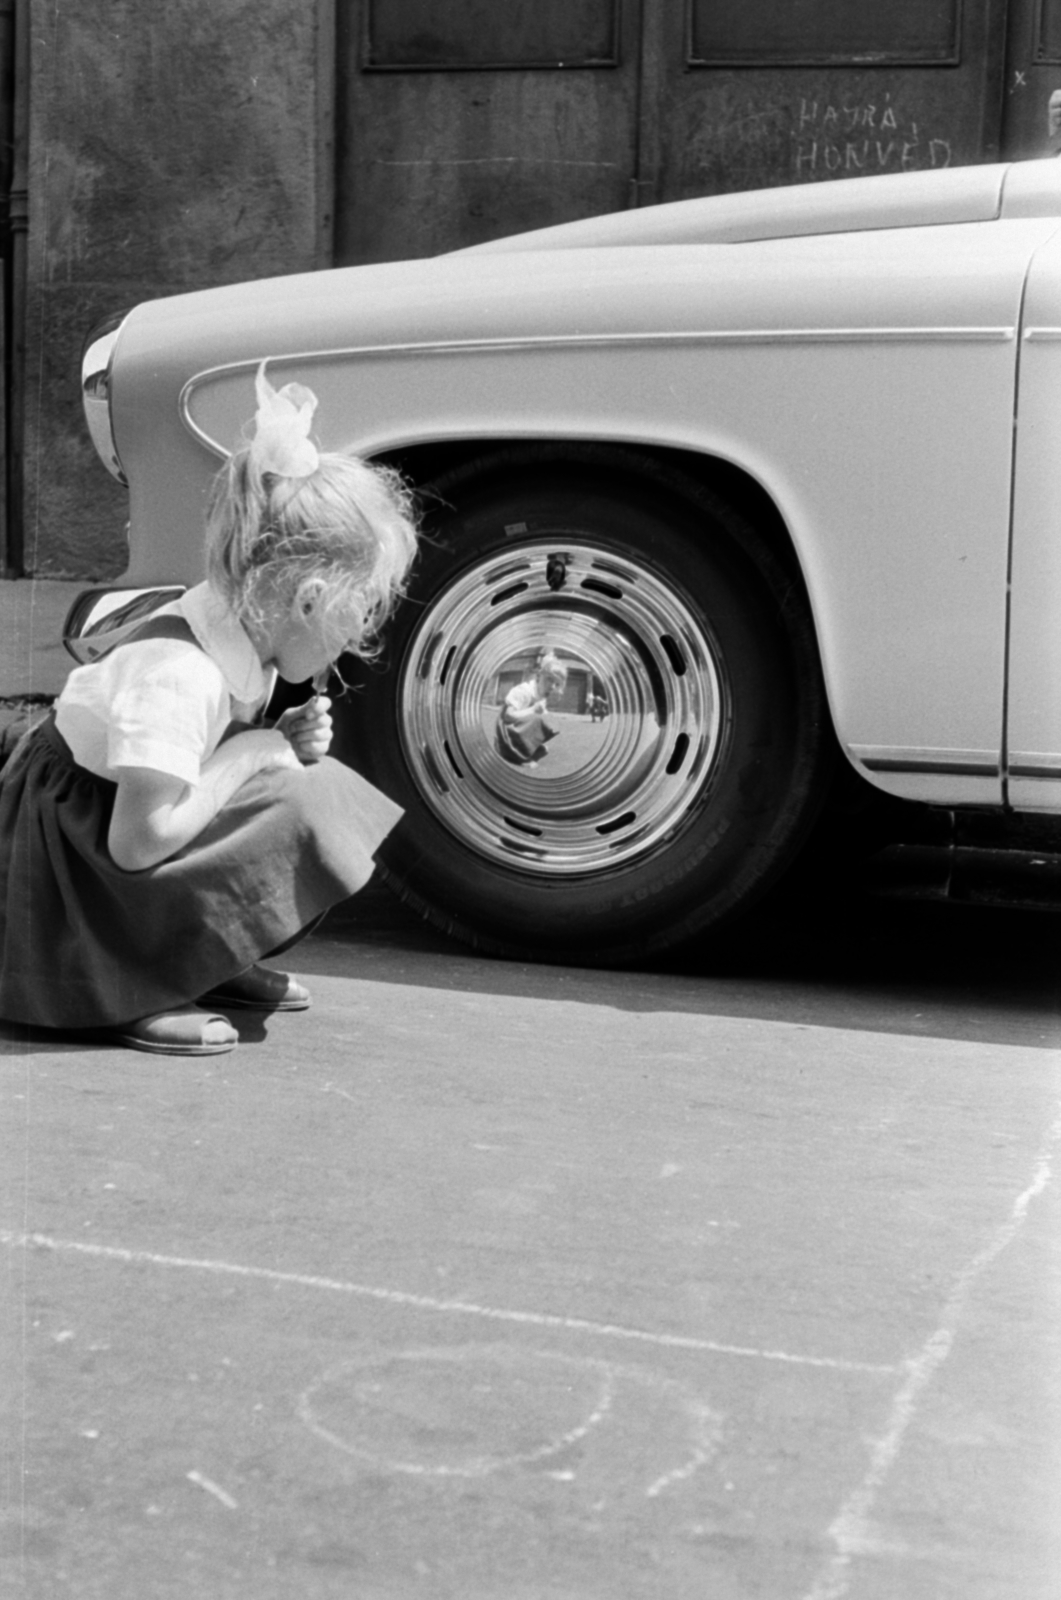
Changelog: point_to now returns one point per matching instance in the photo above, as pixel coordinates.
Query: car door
(1033, 721)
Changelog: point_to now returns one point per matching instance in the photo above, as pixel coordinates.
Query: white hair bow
(281, 442)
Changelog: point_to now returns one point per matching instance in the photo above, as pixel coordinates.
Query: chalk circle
(458, 1411)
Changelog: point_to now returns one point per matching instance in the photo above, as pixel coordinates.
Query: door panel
(438, 150)
(419, 34)
(802, 32)
(471, 120)
(754, 93)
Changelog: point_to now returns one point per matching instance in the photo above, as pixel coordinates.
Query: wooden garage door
(756, 92)
(467, 120)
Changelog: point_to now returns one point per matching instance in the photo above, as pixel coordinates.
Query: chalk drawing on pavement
(466, 1411)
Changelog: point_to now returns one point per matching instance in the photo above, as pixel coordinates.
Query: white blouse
(523, 696)
(165, 703)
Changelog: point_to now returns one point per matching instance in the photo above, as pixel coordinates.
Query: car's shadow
(830, 960)
(837, 960)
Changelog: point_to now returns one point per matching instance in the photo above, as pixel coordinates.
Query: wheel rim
(605, 791)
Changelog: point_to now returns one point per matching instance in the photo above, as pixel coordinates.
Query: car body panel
(1033, 732)
(825, 366)
(907, 200)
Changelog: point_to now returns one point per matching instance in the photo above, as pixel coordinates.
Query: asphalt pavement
(738, 1278)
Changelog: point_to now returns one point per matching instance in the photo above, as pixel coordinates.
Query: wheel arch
(424, 464)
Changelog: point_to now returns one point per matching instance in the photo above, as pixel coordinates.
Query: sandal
(185, 1031)
(259, 989)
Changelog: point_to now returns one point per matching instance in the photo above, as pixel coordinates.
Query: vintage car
(774, 475)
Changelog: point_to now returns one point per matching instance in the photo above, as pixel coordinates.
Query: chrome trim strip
(958, 769)
(933, 761)
(531, 341)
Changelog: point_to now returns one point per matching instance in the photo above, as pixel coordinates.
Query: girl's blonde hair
(341, 541)
(550, 666)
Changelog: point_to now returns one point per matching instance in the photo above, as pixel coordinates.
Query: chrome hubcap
(583, 786)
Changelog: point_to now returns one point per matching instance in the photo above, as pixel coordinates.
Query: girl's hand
(308, 728)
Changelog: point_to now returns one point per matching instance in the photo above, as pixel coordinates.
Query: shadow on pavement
(858, 962)
(944, 971)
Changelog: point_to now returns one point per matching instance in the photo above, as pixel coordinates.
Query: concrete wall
(171, 147)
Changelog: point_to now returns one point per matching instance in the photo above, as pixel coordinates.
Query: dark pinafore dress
(84, 944)
(525, 743)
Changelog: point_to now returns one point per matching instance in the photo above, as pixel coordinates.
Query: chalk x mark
(424, 1302)
(850, 1529)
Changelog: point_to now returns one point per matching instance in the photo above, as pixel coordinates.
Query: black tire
(705, 780)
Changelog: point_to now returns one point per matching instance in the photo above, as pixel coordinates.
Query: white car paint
(856, 348)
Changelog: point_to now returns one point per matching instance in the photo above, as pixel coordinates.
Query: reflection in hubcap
(561, 708)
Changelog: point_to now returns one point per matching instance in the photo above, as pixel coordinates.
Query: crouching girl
(155, 839)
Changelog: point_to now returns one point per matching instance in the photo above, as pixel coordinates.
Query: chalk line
(707, 1435)
(425, 1302)
(213, 1488)
(850, 1529)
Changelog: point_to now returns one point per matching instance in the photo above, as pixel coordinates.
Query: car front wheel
(673, 774)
